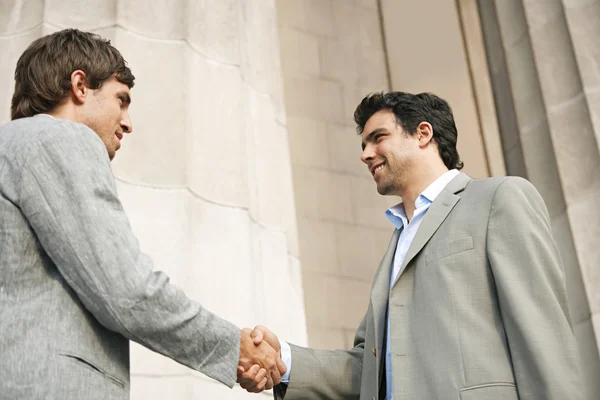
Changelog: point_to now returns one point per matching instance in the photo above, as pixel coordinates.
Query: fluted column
(550, 79)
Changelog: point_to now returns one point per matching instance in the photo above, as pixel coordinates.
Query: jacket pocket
(490, 391)
(82, 362)
(448, 248)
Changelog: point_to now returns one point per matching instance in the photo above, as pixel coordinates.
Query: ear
(79, 86)
(424, 133)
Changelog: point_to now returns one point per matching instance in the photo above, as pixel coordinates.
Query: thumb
(258, 334)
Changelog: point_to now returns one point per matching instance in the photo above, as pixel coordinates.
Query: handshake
(260, 367)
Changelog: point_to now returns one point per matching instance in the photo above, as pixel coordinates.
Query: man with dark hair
(74, 285)
(469, 300)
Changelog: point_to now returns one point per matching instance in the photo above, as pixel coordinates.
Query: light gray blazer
(74, 286)
(479, 312)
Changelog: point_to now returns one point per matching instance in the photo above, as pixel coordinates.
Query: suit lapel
(437, 213)
(380, 290)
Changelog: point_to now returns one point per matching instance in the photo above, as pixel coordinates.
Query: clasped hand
(260, 366)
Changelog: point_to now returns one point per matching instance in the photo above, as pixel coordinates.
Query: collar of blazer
(437, 213)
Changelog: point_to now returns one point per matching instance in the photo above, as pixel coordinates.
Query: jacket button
(374, 350)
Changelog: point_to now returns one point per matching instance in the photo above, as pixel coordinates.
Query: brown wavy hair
(43, 72)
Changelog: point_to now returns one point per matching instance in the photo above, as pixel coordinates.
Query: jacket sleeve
(532, 296)
(68, 194)
(325, 374)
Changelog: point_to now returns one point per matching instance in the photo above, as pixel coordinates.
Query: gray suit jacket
(479, 312)
(74, 286)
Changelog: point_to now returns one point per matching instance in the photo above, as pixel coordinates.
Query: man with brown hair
(74, 285)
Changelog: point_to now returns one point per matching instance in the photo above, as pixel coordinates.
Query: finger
(255, 385)
(281, 367)
(263, 385)
(240, 370)
(269, 384)
(258, 334)
(247, 378)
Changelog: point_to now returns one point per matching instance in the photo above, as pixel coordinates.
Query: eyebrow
(369, 137)
(126, 97)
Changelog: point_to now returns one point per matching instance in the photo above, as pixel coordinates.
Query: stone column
(205, 177)
(555, 130)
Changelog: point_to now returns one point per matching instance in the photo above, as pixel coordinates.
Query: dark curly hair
(412, 109)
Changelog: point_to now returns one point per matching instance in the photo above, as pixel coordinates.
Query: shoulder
(502, 185)
(38, 135)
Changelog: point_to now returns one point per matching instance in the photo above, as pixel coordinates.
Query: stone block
(155, 153)
(160, 220)
(165, 19)
(259, 46)
(345, 150)
(326, 338)
(299, 52)
(368, 206)
(221, 265)
(318, 246)
(146, 362)
(18, 17)
(276, 271)
(308, 140)
(339, 60)
(590, 362)
(578, 160)
(555, 60)
(576, 292)
(149, 387)
(359, 250)
(314, 99)
(269, 169)
(214, 28)
(322, 195)
(11, 48)
(354, 298)
(585, 224)
(322, 300)
(541, 165)
(84, 15)
(216, 131)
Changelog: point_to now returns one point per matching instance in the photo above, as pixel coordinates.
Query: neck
(419, 182)
(65, 111)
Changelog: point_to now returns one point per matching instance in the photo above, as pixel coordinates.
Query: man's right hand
(260, 365)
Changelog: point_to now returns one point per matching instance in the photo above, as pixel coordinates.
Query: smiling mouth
(377, 169)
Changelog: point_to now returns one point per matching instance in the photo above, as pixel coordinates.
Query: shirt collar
(397, 215)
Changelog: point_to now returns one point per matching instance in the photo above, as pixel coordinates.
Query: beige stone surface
(20, 16)
(583, 19)
(88, 14)
(452, 82)
(163, 19)
(588, 350)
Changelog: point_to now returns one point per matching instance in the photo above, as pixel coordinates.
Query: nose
(367, 154)
(126, 123)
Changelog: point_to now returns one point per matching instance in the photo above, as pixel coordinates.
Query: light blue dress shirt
(398, 217)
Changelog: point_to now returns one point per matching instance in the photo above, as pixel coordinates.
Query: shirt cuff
(286, 357)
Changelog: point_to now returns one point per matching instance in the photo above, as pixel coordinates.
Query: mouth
(376, 168)
(119, 136)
